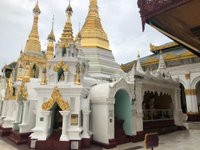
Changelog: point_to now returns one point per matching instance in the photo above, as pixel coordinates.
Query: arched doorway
(123, 117)
(56, 118)
(158, 112)
(198, 94)
(183, 99)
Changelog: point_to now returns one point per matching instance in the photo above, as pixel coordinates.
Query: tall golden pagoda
(32, 54)
(92, 33)
(33, 43)
(50, 45)
(67, 35)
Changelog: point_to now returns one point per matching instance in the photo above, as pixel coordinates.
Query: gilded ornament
(27, 73)
(22, 93)
(77, 76)
(44, 77)
(56, 98)
(9, 88)
(62, 65)
(20, 75)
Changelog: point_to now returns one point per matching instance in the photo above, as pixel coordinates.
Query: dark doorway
(56, 118)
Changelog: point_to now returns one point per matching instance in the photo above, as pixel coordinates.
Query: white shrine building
(77, 93)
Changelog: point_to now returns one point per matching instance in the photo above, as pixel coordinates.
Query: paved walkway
(181, 140)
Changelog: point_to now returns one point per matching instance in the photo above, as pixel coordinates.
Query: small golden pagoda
(33, 43)
(67, 35)
(32, 54)
(50, 45)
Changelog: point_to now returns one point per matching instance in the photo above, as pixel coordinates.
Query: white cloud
(120, 19)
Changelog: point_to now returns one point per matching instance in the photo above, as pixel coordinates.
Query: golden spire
(33, 43)
(50, 45)
(92, 33)
(67, 35)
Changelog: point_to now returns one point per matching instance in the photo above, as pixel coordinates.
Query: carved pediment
(56, 97)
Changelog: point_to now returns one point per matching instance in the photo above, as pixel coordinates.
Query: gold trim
(22, 93)
(190, 91)
(187, 76)
(62, 65)
(56, 98)
(162, 47)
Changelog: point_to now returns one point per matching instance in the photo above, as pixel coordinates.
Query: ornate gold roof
(168, 57)
(33, 43)
(92, 33)
(154, 48)
(67, 35)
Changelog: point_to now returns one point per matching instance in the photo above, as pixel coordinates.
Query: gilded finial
(51, 35)
(36, 9)
(69, 9)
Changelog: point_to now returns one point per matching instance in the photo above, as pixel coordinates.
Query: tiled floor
(181, 140)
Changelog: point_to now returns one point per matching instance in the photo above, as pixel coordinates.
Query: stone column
(25, 112)
(64, 135)
(86, 114)
(46, 115)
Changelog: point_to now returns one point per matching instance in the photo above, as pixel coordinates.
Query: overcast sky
(120, 19)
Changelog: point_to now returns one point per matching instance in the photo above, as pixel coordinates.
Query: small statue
(9, 88)
(44, 77)
(77, 77)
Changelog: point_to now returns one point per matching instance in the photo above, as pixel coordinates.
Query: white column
(17, 113)
(4, 109)
(25, 112)
(86, 114)
(65, 115)
(195, 103)
(66, 77)
(55, 77)
(1, 107)
(46, 115)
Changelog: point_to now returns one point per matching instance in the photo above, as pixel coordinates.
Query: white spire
(139, 66)
(162, 65)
